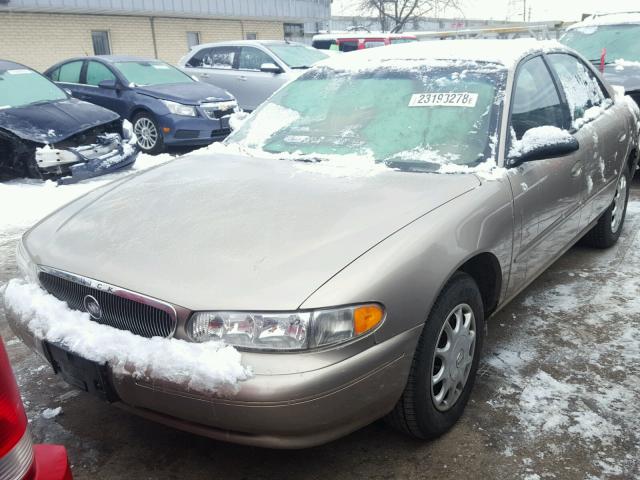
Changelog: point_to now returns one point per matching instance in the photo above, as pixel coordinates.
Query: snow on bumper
(211, 367)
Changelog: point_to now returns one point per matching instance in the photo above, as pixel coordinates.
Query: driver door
(547, 193)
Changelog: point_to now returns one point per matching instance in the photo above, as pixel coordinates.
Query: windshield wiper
(40, 102)
(413, 165)
(597, 62)
(301, 67)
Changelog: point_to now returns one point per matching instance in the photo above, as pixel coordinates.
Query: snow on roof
(607, 19)
(505, 52)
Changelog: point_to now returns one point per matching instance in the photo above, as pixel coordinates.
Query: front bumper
(295, 409)
(109, 154)
(193, 131)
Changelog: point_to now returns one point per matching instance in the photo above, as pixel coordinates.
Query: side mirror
(109, 84)
(68, 92)
(270, 68)
(541, 143)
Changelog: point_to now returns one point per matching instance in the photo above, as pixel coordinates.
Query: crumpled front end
(88, 154)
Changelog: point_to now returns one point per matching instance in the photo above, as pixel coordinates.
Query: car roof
(248, 43)
(360, 34)
(505, 52)
(9, 65)
(619, 18)
(111, 59)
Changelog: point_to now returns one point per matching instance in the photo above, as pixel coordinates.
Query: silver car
(350, 240)
(251, 70)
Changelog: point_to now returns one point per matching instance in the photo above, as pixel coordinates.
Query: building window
(193, 39)
(101, 42)
(293, 30)
(251, 36)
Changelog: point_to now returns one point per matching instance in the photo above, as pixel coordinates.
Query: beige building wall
(39, 40)
(171, 33)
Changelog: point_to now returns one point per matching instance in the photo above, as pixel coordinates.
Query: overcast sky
(540, 9)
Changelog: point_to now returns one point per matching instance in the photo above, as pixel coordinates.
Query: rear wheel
(609, 227)
(149, 135)
(445, 362)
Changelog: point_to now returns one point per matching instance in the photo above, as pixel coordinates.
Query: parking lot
(556, 397)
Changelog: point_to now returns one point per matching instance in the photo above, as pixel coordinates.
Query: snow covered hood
(53, 122)
(501, 52)
(231, 232)
(189, 93)
(607, 19)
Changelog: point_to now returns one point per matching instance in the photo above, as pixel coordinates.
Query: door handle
(204, 75)
(242, 78)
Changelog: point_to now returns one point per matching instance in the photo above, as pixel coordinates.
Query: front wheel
(148, 132)
(607, 231)
(445, 362)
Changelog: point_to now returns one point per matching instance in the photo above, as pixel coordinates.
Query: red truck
(350, 41)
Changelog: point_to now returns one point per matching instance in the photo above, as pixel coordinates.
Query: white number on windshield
(457, 99)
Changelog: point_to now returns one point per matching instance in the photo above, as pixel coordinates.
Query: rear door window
(536, 102)
(582, 88)
(69, 72)
(217, 57)
(97, 72)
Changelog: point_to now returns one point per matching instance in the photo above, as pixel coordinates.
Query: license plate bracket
(81, 373)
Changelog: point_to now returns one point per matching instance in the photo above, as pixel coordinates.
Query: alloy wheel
(146, 132)
(453, 357)
(617, 210)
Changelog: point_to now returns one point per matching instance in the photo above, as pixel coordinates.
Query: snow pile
(621, 64)
(26, 201)
(203, 367)
(50, 413)
(259, 132)
(237, 119)
(536, 138)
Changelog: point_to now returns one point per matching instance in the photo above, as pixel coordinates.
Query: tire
(150, 139)
(606, 232)
(419, 412)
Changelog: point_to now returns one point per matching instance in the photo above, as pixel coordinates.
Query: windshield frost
(619, 40)
(424, 116)
(297, 56)
(21, 87)
(152, 73)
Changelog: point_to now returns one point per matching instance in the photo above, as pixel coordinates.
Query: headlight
(180, 109)
(26, 266)
(286, 330)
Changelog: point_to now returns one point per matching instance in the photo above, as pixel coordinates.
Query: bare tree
(395, 14)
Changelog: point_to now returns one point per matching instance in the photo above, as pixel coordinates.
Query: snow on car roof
(607, 19)
(505, 52)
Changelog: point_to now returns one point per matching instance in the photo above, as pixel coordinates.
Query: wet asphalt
(556, 397)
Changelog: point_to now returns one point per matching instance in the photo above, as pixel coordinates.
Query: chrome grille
(215, 111)
(117, 311)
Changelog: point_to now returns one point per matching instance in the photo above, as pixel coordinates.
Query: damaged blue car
(47, 134)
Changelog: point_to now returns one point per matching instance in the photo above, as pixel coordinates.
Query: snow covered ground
(557, 396)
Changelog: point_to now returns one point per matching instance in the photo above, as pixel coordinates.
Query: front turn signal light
(367, 318)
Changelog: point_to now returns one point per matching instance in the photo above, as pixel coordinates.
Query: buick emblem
(92, 307)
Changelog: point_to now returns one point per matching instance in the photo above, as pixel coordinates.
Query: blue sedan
(166, 106)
